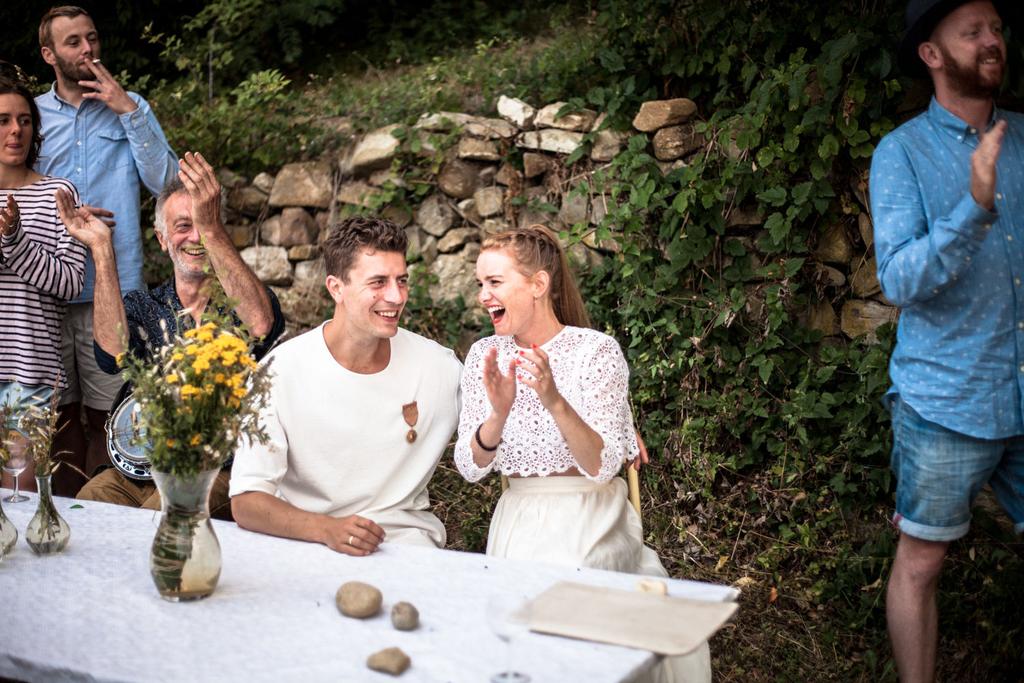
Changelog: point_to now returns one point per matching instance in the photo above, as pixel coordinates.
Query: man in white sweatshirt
(359, 413)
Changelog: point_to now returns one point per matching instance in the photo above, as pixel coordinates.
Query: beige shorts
(86, 382)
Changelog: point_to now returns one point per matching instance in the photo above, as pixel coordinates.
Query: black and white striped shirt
(41, 268)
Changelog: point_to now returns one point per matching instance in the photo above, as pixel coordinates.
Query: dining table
(92, 612)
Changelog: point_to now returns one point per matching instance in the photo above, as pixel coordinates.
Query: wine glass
(508, 616)
(17, 448)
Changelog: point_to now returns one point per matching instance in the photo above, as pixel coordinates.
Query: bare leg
(911, 608)
(70, 444)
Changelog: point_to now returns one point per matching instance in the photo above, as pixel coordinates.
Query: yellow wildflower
(195, 440)
(171, 378)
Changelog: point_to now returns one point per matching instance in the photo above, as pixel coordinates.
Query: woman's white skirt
(582, 523)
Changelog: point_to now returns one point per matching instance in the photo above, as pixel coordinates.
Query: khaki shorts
(86, 382)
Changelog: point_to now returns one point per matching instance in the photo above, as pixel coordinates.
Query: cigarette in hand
(96, 61)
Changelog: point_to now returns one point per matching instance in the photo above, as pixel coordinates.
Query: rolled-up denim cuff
(939, 534)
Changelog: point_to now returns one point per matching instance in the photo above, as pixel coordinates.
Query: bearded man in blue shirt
(947, 198)
(108, 143)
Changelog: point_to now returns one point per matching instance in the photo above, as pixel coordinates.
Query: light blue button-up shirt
(956, 269)
(107, 156)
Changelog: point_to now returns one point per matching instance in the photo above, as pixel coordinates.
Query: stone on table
(405, 616)
(358, 600)
(390, 661)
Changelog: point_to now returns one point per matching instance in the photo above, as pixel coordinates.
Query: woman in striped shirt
(41, 265)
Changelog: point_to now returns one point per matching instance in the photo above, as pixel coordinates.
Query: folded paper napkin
(646, 621)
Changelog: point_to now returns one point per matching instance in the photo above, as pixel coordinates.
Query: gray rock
(489, 128)
(435, 215)
(478, 150)
(241, 235)
(358, 600)
(863, 318)
(492, 226)
(471, 252)
(247, 200)
(550, 140)
(508, 174)
(598, 209)
(467, 209)
(264, 182)
(458, 179)
(456, 238)
(866, 229)
(831, 277)
(477, 126)
(304, 305)
(516, 111)
(399, 215)
(292, 227)
(442, 121)
(834, 246)
(307, 183)
(864, 281)
(607, 145)
(390, 661)
(582, 120)
(675, 142)
(384, 176)
(303, 252)
(574, 209)
(660, 113)
(535, 164)
(822, 317)
(490, 201)
(310, 273)
(229, 180)
(405, 616)
(669, 166)
(358, 193)
(487, 175)
(375, 151)
(415, 237)
(455, 277)
(270, 264)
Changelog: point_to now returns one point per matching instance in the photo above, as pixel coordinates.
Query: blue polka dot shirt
(956, 269)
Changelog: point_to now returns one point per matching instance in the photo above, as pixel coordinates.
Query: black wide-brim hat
(922, 17)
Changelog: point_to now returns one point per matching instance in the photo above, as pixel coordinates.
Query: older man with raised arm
(191, 230)
(947, 197)
(109, 144)
(359, 413)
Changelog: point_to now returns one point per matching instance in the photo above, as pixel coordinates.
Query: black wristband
(480, 443)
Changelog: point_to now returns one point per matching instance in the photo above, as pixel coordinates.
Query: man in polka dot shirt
(947, 198)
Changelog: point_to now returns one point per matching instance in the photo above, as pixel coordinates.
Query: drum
(126, 440)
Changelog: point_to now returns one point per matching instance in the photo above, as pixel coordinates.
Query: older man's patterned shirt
(152, 314)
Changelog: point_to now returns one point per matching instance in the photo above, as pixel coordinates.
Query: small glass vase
(184, 560)
(47, 532)
(8, 534)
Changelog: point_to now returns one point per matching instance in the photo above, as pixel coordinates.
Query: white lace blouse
(591, 374)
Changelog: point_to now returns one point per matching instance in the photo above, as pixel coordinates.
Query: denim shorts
(939, 472)
(21, 396)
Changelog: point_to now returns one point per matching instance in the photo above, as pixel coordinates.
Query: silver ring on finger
(351, 539)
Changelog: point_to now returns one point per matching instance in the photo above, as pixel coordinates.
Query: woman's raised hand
(500, 387)
(538, 376)
(9, 216)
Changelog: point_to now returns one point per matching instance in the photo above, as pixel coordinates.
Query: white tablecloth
(92, 613)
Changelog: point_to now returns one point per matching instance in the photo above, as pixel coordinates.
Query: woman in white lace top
(545, 401)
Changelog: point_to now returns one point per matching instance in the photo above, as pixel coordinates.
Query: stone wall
(493, 173)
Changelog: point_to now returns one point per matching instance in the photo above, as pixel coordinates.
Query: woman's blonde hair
(537, 248)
